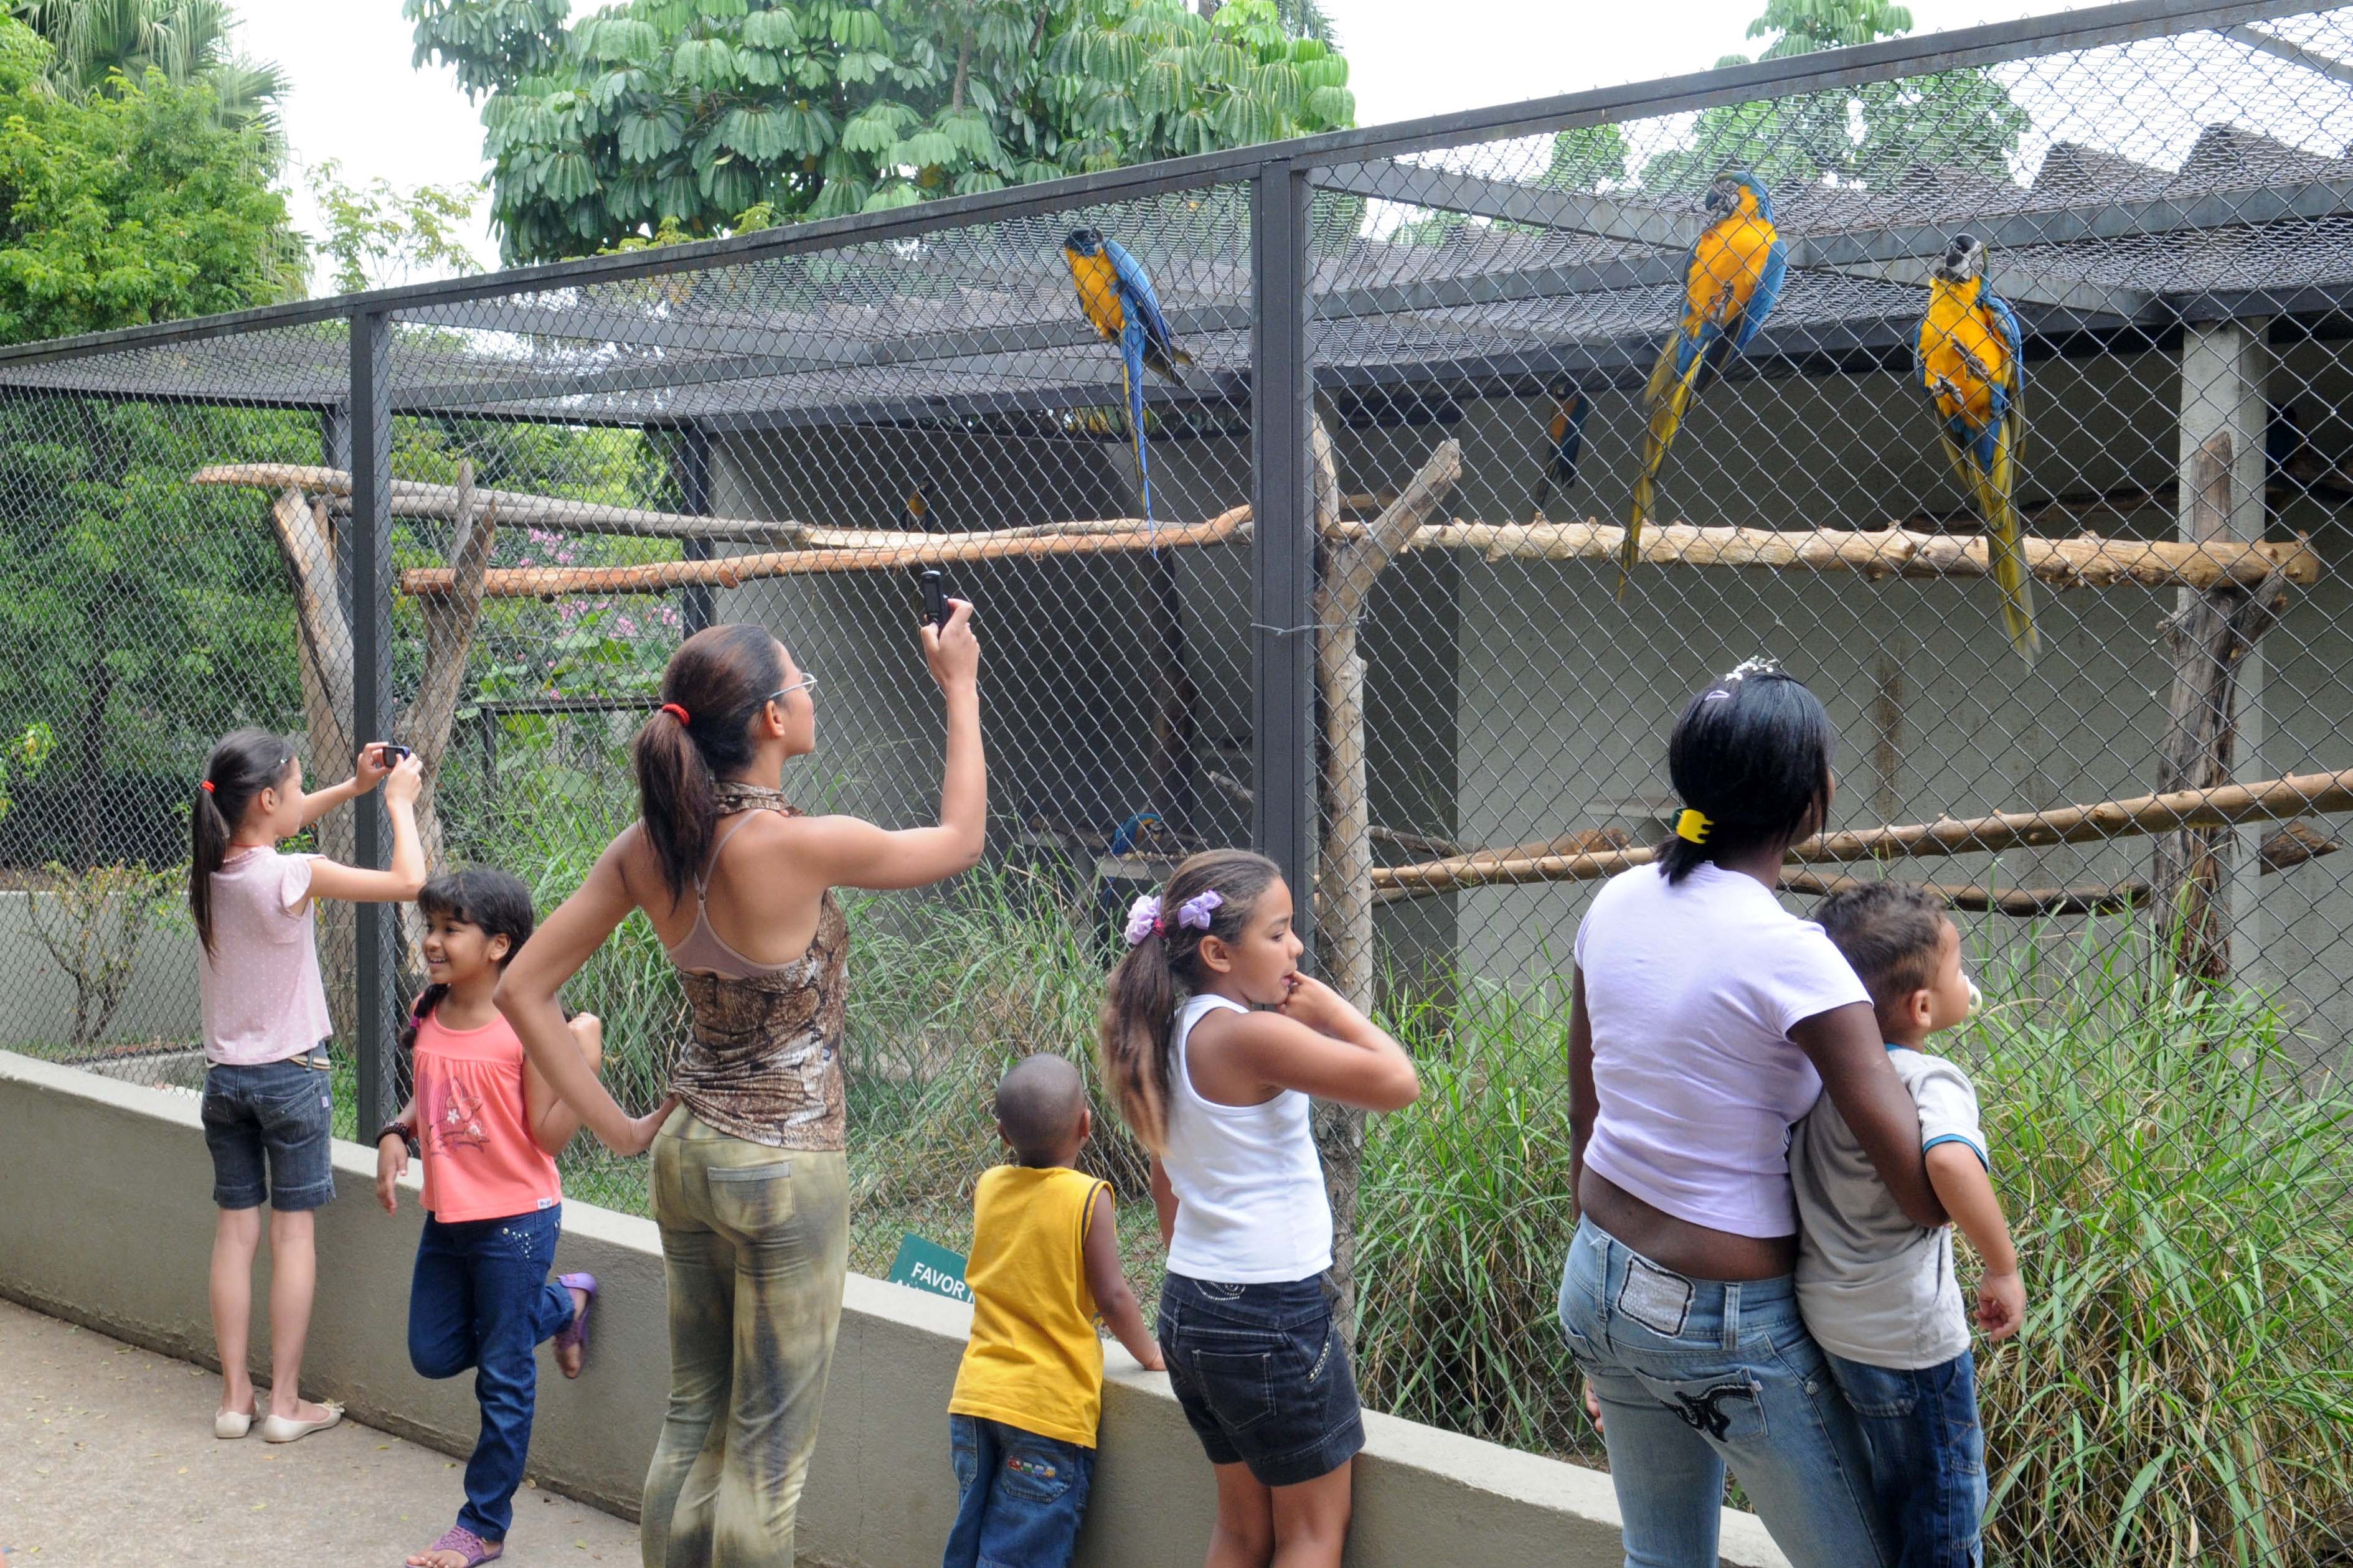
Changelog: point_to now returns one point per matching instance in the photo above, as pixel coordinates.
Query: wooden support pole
(2204, 882)
(2272, 800)
(1343, 877)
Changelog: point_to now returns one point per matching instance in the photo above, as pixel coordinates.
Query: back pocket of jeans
(1239, 1385)
(752, 1197)
(1035, 1473)
(1728, 1407)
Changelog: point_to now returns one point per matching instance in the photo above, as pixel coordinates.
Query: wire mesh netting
(1999, 403)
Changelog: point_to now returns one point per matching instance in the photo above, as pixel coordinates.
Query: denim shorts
(269, 1130)
(1263, 1375)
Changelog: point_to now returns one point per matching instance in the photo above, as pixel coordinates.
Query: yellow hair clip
(1693, 826)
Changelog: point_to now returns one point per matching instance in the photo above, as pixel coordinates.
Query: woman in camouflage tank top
(750, 1185)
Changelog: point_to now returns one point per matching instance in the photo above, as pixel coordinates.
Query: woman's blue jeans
(1697, 1374)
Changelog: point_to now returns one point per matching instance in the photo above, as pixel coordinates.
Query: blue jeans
(266, 1128)
(481, 1299)
(1697, 1374)
(1020, 1496)
(1927, 1456)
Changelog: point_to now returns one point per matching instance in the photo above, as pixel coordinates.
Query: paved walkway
(110, 1462)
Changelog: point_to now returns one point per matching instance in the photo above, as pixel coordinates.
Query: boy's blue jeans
(1927, 1456)
(481, 1299)
(1022, 1496)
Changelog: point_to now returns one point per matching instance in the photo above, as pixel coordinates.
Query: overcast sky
(357, 99)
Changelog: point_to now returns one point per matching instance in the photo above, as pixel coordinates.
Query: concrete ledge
(106, 1220)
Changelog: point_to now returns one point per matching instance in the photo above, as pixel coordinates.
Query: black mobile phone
(393, 751)
(936, 597)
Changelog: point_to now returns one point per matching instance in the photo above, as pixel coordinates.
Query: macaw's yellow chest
(1963, 355)
(1726, 266)
(1098, 292)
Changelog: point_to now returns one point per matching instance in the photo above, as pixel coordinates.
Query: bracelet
(407, 1138)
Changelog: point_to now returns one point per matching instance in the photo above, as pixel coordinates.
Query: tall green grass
(2180, 1186)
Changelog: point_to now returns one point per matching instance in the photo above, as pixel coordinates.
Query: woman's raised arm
(526, 995)
(848, 852)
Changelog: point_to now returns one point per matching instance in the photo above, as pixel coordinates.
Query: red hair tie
(205, 786)
(674, 709)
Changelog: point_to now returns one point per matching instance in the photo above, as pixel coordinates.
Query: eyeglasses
(807, 682)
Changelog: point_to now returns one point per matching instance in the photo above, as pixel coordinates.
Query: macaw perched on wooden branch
(1119, 302)
(1731, 281)
(1563, 443)
(1971, 362)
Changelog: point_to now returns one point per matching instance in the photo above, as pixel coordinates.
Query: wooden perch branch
(881, 553)
(518, 509)
(2087, 561)
(2272, 800)
(2291, 845)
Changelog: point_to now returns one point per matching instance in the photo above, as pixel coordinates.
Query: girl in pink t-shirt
(267, 1106)
(488, 1129)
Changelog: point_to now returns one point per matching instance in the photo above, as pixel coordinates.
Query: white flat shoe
(230, 1424)
(285, 1429)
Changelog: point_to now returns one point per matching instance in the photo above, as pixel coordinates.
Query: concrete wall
(36, 994)
(104, 1219)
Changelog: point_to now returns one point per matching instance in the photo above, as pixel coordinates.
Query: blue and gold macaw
(1563, 443)
(1971, 362)
(1119, 302)
(1731, 281)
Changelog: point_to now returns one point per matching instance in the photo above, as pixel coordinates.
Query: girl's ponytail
(1162, 966)
(244, 764)
(713, 688)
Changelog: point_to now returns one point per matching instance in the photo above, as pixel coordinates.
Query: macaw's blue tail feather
(1131, 371)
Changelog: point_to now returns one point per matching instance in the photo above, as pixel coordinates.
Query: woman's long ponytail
(241, 766)
(1133, 1030)
(712, 688)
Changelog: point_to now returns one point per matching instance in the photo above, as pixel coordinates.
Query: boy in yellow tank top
(1045, 1263)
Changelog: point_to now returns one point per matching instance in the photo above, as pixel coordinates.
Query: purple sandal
(467, 1544)
(575, 1332)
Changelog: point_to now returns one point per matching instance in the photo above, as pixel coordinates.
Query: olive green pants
(756, 1244)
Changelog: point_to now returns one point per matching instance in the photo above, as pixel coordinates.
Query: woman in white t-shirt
(1708, 1019)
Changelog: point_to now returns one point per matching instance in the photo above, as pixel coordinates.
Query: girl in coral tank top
(488, 1129)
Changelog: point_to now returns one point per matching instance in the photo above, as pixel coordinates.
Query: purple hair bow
(1195, 913)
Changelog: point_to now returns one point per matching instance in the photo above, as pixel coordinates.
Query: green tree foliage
(187, 40)
(139, 617)
(660, 119)
(128, 207)
(378, 236)
(1868, 136)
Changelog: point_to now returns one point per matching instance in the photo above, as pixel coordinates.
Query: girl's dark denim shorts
(1263, 1376)
(269, 1130)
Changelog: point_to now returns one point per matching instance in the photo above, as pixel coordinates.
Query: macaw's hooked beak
(1963, 259)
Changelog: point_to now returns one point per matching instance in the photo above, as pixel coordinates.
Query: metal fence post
(1283, 549)
(694, 498)
(369, 432)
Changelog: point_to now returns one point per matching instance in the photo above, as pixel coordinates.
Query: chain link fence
(1385, 613)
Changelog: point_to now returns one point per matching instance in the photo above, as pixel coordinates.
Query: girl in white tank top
(1213, 1045)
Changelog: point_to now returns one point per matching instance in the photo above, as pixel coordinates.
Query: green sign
(928, 1266)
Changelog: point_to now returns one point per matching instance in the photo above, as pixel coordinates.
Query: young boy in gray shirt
(1879, 1292)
